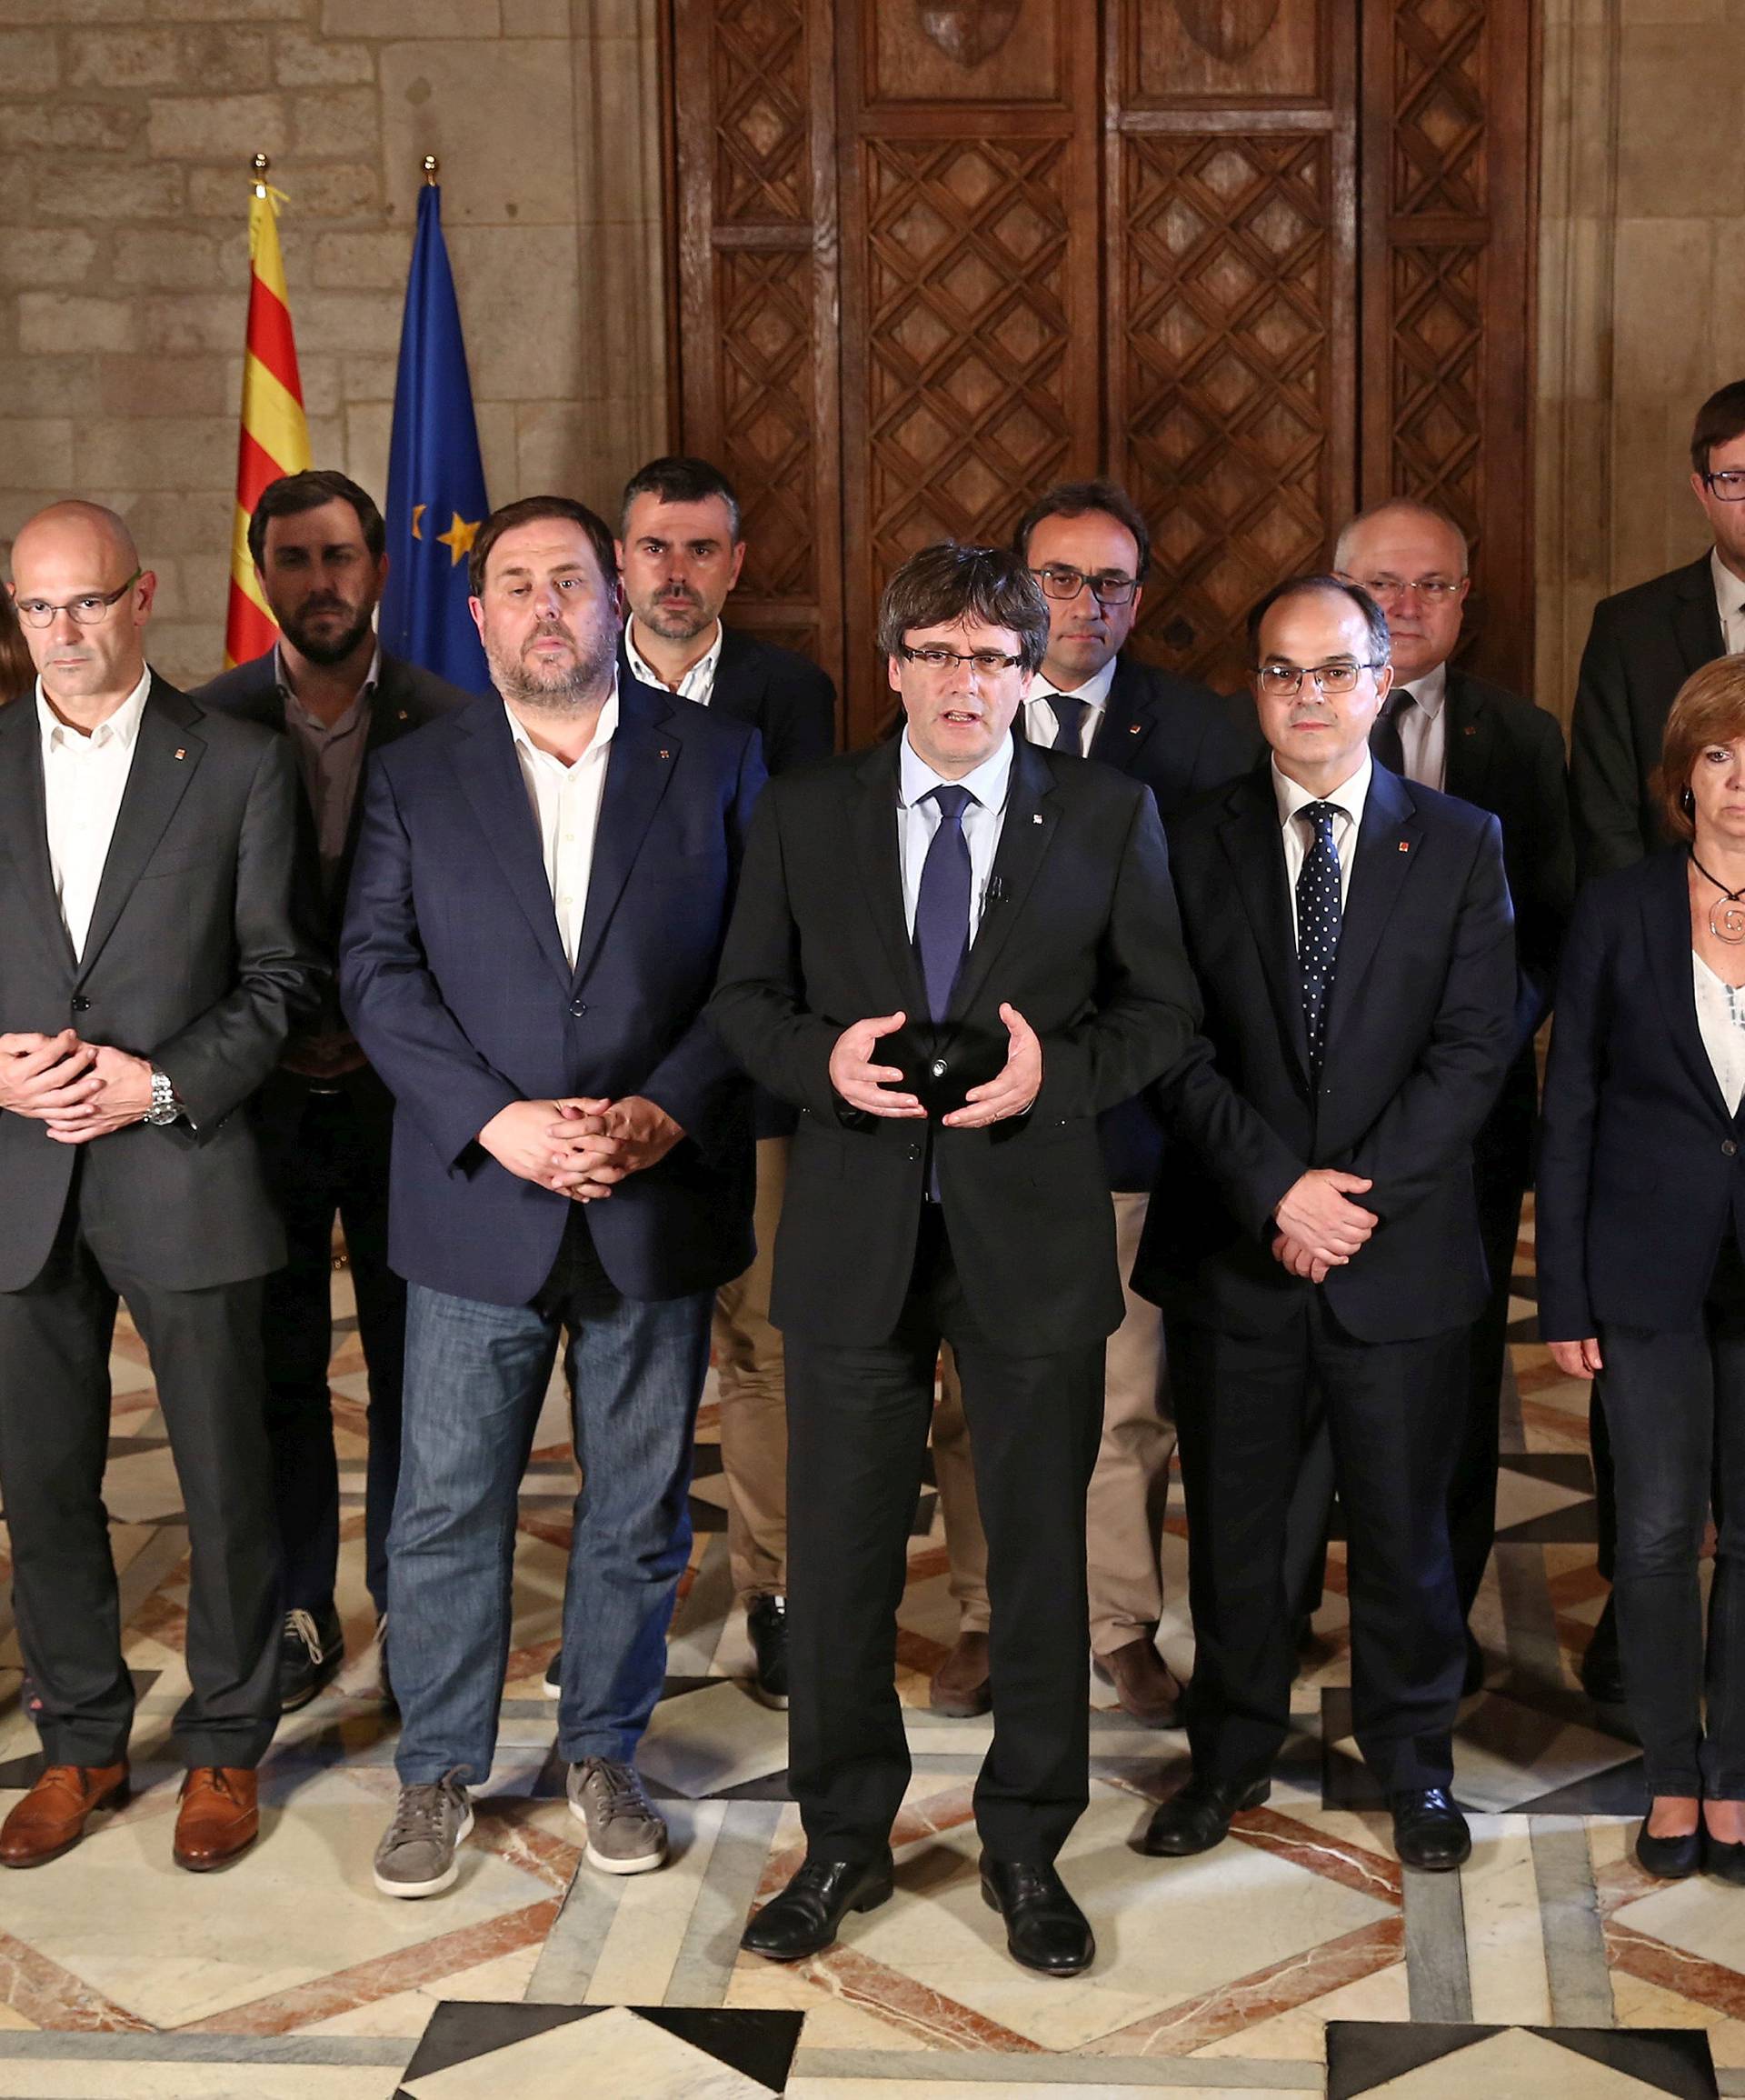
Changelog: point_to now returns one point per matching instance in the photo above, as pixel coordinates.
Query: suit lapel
(1254, 845)
(166, 755)
(873, 826)
(1387, 849)
(645, 750)
(23, 824)
(1127, 722)
(1032, 816)
(1666, 920)
(484, 762)
(1470, 740)
(1696, 618)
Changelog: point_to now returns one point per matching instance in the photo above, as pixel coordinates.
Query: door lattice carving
(760, 93)
(1438, 338)
(769, 415)
(1438, 107)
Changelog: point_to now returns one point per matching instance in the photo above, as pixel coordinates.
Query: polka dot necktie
(1317, 923)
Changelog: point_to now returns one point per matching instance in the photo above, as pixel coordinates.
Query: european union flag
(436, 479)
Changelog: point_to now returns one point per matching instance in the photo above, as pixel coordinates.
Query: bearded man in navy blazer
(1354, 939)
(536, 910)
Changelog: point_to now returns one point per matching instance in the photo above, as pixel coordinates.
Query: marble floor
(1296, 1960)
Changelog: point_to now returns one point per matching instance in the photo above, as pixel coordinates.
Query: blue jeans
(475, 1376)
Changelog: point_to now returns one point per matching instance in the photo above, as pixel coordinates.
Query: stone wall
(1641, 294)
(126, 130)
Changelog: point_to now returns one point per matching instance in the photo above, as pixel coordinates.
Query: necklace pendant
(1726, 920)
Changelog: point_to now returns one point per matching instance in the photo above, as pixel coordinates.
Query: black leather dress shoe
(1198, 1817)
(803, 1920)
(1676, 1858)
(1429, 1831)
(1046, 1929)
(1602, 1668)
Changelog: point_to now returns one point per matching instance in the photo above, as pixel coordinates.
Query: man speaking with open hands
(541, 886)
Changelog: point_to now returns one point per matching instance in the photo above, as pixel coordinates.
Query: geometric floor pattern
(1295, 1960)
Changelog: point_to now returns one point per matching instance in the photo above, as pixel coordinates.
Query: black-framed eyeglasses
(1435, 588)
(1108, 587)
(986, 663)
(87, 609)
(1284, 681)
(1728, 485)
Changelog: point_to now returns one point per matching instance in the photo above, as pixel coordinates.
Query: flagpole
(432, 167)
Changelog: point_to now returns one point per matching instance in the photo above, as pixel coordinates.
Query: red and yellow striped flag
(275, 433)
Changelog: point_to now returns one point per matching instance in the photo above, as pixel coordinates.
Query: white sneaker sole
(551, 1690)
(647, 1864)
(446, 1879)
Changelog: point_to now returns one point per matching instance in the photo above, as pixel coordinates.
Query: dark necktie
(1317, 923)
(1385, 741)
(942, 901)
(1069, 721)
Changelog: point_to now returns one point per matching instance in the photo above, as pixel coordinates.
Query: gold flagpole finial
(432, 167)
(258, 165)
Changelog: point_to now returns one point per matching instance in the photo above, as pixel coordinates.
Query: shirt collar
(365, 693)
(987, 784)
(602, 732)
(1430, 691)
(706, 664)
(1094, 692)
(1350, 794)
(120, 728)
(1729, 591)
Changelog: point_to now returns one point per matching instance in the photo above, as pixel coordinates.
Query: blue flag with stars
(436, 479)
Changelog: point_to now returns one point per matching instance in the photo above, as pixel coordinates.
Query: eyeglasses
(87, 610)
(1108, 587)
(1284, 681)
(1434, 588)
(985, 663)
(1728, 485)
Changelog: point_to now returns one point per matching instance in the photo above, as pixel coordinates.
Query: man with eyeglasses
(1088, 547)
(151, 968)
(949, 953)
(1320, 1243)
(1446, 728)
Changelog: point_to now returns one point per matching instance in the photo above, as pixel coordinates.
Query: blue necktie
(1069, 722)
(1317, 923)
(942, 901)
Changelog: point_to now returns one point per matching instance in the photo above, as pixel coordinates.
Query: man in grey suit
(150, 966)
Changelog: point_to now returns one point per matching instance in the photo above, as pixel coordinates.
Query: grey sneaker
(626, 1836)
(416, 1855)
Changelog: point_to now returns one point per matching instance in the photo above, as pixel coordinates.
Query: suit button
(578, 1007)
(939, 1068)
(913, 1155)
(81, 1004)
(1727, 1147)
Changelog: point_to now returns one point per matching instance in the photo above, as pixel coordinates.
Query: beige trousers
(754, 1401)
(1129, 1490)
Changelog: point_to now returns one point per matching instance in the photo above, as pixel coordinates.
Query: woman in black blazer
(1640, 1218)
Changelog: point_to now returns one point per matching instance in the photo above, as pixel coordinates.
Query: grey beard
(578, 687)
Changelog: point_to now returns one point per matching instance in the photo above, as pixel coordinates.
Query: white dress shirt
(917, 819)
(565, 802)
(1040, 720)
(1424, 728)
(1730, 602)
(1349, 798)
(1721, 1014)
(84, 780)
(698, 683)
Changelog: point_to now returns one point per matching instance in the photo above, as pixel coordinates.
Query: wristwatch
(166, 1107)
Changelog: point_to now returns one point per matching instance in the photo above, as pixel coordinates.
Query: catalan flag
(275, 433)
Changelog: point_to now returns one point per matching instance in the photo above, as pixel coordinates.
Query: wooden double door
(1261, 260)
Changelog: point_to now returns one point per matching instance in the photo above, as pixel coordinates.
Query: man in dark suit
(536, 910)
(680, 553)
(949, 953)
(1644, 643)
(319, 549)
(1088, 544)
(1352, 937)
(150, 966)
(1447, 729)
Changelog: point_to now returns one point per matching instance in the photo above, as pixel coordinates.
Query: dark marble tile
(1396, 2056)
(758, 2045)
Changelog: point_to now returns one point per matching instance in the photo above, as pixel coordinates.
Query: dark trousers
(1675, 1406)
(857, 1430)
(1472, 1486)
(327, 1155)
(205, 1355)
(1393, 1410)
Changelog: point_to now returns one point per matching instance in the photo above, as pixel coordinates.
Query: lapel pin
(664, 753)
(403, 714)
(181, 751)
(1036, 818)
(1132, 729)
(1404, 846)
(1469, 729)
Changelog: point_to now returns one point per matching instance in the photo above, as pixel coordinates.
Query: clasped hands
(1319, 1228)
(76, 1090)
(580, 1147)
(867, 1086)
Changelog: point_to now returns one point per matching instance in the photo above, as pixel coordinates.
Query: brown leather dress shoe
(960, 1684)
(218, 1817)
(51, 1818)
(1144, 1683)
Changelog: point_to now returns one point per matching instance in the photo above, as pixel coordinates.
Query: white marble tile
(805, 2088)
(407, 2013)
(1505, 1944)
(612, 2052)
(648, 1925)
(708, 1739)
(1514, 2063)
(1695, 1916)
(128, 1375)
(44, 2079)
(1507, 1753)
(1299, 2034)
